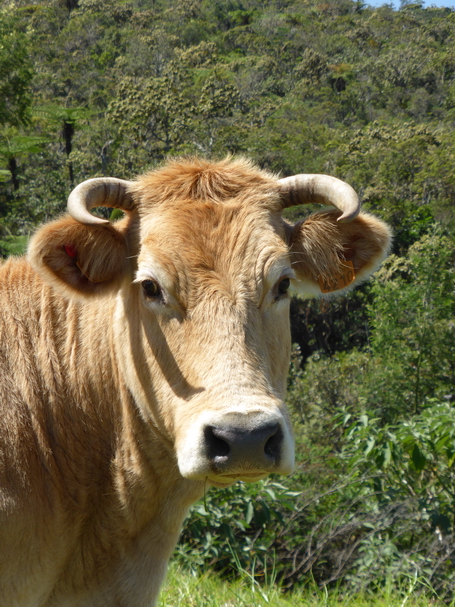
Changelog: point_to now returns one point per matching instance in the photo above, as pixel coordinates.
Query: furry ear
(330, 257)
(80, 259)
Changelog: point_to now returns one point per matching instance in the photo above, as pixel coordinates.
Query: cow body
(141, 362)
(80, 473)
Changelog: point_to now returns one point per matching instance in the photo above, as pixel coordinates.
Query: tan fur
(100, 255)
(320, 246)
(105, 394)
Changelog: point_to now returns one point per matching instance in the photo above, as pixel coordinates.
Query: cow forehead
(234, 245)
(213, 227)
(200, 180)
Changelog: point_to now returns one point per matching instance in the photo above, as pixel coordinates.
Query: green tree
(16, 71)
(14, 146)
(412, 329)
(69, 120)
(152, 114)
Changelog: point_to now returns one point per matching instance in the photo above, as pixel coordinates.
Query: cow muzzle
(234, 447)
(230, 447)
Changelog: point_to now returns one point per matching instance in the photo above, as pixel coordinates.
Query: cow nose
(232, 449)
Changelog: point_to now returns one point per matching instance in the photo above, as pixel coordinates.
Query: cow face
(201, 322)
(212, 286)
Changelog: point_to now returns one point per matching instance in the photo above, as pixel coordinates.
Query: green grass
(186, 590)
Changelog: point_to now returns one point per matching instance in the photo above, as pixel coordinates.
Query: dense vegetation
(91, 88)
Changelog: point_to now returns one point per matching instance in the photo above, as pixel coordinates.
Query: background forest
(96, 87)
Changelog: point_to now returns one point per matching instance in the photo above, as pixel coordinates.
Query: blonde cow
(145, 360)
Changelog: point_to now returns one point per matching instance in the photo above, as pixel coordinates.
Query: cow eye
(283, 286)
(151, 289)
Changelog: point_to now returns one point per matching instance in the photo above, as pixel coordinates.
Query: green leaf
(249, 512)
(418, 458)
(370, 445)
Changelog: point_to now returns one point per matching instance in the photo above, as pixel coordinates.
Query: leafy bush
(409, 471)
(412, 329)
(13, 245)
(243, 520)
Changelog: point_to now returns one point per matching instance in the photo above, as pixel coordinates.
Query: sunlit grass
(183, 589)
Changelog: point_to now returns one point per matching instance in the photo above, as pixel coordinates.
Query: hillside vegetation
(91, 88)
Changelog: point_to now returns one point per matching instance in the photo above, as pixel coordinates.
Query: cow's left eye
(283, 286)
(151, 289)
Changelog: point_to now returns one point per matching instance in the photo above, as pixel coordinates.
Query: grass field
(185, 590)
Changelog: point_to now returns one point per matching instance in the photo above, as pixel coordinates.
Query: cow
(144, 360)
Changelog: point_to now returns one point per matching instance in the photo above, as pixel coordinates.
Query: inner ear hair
(321, 245)
(316, 246)
(79, 259)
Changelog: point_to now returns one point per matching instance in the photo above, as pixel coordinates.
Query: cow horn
(322, 189)
(99, 192)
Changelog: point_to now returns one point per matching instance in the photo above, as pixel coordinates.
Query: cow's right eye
(283, 286)
(151, 289)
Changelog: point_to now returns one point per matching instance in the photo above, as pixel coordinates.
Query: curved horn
(323, 189)
(99, 192)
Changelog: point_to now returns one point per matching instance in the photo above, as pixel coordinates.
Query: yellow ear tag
(339, 282)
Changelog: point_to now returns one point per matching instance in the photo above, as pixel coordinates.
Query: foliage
(13, 245)
(412, 328)
(14, 146)
(16, 70)
(236, 521)
(414, 458)
(411, 469)
(366, 94)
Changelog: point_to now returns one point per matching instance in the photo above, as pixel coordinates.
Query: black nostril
(258, 446)
(216, 446)
(272, 447)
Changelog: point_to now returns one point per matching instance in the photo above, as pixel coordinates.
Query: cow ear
(330, 257)
(81, 260)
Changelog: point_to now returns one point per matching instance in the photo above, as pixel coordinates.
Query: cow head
(201, 269)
